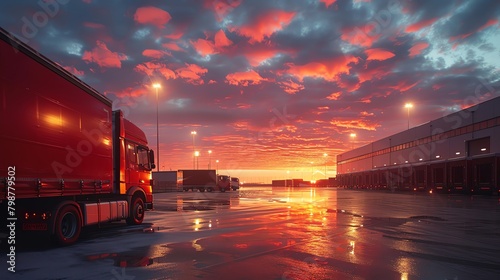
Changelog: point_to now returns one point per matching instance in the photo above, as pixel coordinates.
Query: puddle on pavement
(200, 204)
(137, 257)
(127, 259)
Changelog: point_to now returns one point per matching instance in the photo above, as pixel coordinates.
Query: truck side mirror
(152, 159)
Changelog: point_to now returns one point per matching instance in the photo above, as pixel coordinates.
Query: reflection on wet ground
(280, 233)
(327, 234)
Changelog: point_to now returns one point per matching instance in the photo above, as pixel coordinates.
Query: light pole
(193, 133)
(216, 167)
(325, 155)
(353, 135)
(157, 86)
(408, 106)
(209, 159)
(196, 155)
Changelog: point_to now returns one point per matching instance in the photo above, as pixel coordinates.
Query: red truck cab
(224, 183)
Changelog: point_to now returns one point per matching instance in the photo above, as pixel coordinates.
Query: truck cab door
(132, 168)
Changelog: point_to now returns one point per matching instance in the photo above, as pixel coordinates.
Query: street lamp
(193, 133)
(196, 155)
(209, 159)
(408, 106)
(216, 167)
(353, 135)
(157, 86)
(325, 155)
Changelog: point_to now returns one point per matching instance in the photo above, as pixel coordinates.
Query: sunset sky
(270, 86)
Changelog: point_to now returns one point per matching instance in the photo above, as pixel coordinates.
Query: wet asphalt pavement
(280, 233)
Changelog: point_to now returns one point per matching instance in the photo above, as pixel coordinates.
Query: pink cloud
(149, 68)
(172, 46)
(291, 87)
(404, 85)
(167, 73)
(133, 92)
(244, 78)
(419, 25)
(103, 57)
(356, 124)
(74, 71)
(378, 54)
(204, 47)
(176, 34)
(152, 15)
(418, 48)
(372, 73)
(256, 56)
(328, 70)
(192, 73)
(363, 36)
(208, 47)
(328, 2)
(221, 39)
(265, 25)
(334, 96)
(154, 53)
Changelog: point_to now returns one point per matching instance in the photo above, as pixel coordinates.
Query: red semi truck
(67, 160)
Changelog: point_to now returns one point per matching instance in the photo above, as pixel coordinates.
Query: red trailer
(196, 179)
(67, 159)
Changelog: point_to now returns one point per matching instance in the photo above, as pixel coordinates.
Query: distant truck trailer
(67, 159)
(197, 180)
(164, 181)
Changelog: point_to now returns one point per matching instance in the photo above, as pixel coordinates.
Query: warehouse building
(459, 152)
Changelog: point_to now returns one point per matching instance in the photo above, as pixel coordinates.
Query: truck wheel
(223, 189)
(210, 189)
(202, 189)
(136, 211)
(68, 225)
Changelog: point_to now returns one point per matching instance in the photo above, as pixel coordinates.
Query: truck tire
(68, 225)
(202, 189)
(223, 189)
(210, 189)
(136, 211)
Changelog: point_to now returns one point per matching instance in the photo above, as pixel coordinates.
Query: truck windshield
(143, 158)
